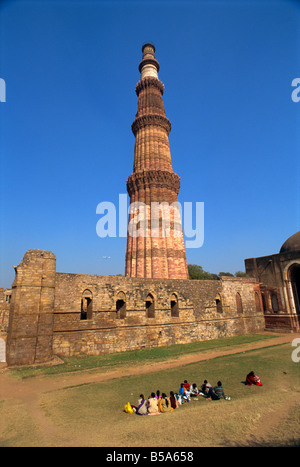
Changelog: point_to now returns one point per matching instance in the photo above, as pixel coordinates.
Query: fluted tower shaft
(155, 244)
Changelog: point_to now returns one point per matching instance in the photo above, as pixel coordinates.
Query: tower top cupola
(149, 66)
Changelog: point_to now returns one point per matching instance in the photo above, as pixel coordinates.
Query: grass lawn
(94, 413)
(134, 357)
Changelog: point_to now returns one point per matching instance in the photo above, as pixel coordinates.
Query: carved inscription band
(150, 178)
(149, 81)
(152, 119)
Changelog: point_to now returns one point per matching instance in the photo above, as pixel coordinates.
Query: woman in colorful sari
(173, 400)
(152, 404)
(252, 379)
(164, 404)
(142, 407)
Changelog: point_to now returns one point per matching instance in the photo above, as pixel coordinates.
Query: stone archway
(86, 305)
(121, 305)
(219, 305)
(294, 278)
(174, 305)
(150, 306)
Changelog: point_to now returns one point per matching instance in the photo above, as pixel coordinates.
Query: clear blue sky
(66, 144)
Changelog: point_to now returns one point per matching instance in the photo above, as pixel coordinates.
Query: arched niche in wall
(121, 305)
(239, 303)
(174, 305)
(150, 306)
(86, 305)
(219, 305)
(294, 278)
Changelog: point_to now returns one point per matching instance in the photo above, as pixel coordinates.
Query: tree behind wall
(196, 272)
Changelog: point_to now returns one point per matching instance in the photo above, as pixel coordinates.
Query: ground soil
(29, 390)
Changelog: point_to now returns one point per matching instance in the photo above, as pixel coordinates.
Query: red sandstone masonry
(153, 180)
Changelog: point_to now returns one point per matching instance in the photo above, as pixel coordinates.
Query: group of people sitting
(158, 403)
(206, 390)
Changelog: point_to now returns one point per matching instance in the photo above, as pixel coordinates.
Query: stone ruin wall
(198, 318)
(46, 312)
(5, 296)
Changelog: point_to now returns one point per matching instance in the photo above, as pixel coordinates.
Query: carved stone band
(141, 122)
(149, 81)
(153, 178)
(147, 61)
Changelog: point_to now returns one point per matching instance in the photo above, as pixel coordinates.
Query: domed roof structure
(291, 244)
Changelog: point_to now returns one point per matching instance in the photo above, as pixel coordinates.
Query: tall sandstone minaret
(155, 248)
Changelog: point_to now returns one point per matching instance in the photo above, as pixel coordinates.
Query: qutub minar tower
(157, 252)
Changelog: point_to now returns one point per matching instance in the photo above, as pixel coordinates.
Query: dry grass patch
(17, 427)
(92, 415)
